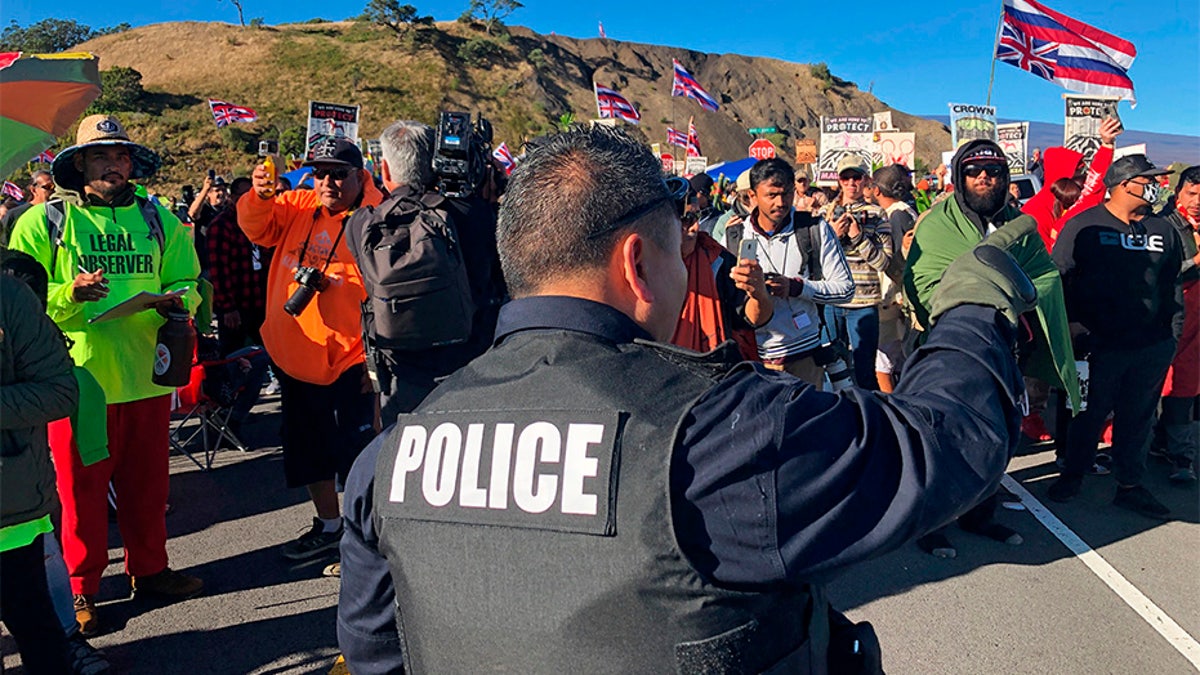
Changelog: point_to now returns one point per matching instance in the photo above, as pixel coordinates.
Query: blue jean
(858, 328)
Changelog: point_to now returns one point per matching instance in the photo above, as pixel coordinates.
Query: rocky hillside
(524, 82)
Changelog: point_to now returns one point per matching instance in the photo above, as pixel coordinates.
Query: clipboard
(138, 303)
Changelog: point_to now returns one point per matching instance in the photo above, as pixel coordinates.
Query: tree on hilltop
(50, 35)
(241, 16)
(400, 19)
(491, 12)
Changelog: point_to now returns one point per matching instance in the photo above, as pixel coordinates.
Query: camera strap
(336, 241)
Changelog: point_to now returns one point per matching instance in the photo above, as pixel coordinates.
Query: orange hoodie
(326, 339)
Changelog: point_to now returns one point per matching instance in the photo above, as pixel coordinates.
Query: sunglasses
(677, 192)
(853, 178)
(338, 173)
(993, 170)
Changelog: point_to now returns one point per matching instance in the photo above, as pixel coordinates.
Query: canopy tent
(300, 178)
(731, 170)
(63, 85)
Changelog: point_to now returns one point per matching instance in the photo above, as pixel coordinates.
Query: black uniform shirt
(774, 482)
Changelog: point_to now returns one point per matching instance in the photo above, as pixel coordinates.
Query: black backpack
(411, 260)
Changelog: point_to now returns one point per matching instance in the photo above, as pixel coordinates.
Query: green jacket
(36, 387)
(120, 352)
(945, 232)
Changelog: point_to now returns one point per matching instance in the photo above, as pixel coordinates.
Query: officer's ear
(385, 172)
(631, 254)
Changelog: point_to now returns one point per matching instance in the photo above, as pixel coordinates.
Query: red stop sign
(762, 149)
(668, 162)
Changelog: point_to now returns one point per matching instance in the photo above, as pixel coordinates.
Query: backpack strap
(56, 214)
(153, 221)
(806, 242)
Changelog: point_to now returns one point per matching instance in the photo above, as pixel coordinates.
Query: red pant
(138, 468)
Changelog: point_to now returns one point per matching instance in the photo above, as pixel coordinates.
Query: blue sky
(916, 57)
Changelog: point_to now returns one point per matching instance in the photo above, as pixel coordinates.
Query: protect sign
(1081, 125)
(841, 136)
(547, 470)
(330, 120)
(1014, 141)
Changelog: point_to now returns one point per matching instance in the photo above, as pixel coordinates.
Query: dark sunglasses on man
(677, 192)
(995, 170)
(336, 173)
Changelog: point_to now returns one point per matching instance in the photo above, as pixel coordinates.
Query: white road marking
(1178, 638)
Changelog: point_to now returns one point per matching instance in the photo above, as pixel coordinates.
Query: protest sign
(897, 147)
(656, 148)
(883, 121)
(695, 165)
(948, 162)
(330, 120)
(841, 136)
(971, 122)
(1014, 141)
(806, 151)
(1081, 127)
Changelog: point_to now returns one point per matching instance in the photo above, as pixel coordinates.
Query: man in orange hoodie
(313, 327)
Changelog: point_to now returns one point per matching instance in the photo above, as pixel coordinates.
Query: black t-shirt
(1120, 281)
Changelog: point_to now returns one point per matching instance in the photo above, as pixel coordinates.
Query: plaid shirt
(232, 260)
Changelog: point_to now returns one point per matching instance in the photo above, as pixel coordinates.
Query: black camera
(312, 281)
(859, 217)
(462, 153)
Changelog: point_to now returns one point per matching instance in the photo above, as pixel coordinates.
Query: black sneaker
(314, 542)
(1139, 500)
(995, 531)
(937, 545)
(85, 659)
(1065, 488)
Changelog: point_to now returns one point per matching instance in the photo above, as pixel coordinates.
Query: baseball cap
(336, 151)
(893, 181)
(1131, 166)
(853, 162)
(701, 182)
(743, 181)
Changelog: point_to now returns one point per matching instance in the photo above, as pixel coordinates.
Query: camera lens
(300, 298)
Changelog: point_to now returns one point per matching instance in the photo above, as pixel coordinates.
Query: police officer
(582, 497)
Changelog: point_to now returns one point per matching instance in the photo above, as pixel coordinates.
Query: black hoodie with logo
(1121, 281)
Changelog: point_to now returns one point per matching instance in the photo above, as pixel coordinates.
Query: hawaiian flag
(676, 137)
(505, 157)
(45, 157)
(686, 85)
(612, 105)
(602, 35)
(1077, 56)
(693, 140)
(11, 190)
(225, 113)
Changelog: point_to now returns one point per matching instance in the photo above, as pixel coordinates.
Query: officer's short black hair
(1190, 175)
(570, 200)
(772, 170)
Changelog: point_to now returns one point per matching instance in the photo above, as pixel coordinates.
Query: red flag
(225, 113)
(612, 105)
(693, 140)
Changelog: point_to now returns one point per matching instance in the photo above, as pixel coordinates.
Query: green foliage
(122, 91)
(478, 52)
(292, 141)
(51, 35)
(394, 16)
(821, 72)
(257, 22)
(565, 121)
(317, 19)
(491, 12)
(537, 58)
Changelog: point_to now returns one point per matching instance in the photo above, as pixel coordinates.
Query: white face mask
(1150, 192)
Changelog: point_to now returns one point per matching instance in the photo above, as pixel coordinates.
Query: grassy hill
(522, 81)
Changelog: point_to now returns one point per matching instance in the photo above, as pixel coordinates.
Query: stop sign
(762, 149)
(668, 162)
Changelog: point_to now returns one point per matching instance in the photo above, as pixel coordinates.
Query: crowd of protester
(833, 285)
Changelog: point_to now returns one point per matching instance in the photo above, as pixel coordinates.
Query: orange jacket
(326, 339)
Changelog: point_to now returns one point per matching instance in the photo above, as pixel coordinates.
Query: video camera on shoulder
(462, 153)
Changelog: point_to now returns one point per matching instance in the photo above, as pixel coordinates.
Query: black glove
(987, 275)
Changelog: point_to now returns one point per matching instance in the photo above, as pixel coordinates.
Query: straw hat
(98, 130)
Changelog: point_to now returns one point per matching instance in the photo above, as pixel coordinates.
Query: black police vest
(525, 512)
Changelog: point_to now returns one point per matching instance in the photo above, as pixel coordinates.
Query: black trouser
(28, 612)
(1128, 383)
(325, 426)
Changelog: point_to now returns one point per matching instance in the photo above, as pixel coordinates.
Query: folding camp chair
(211, 407)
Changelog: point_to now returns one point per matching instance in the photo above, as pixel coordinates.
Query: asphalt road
(1033, 608)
